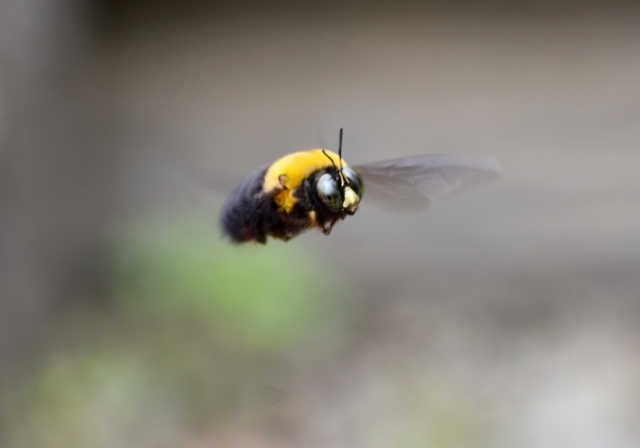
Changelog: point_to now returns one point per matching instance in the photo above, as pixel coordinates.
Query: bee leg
(327, 226)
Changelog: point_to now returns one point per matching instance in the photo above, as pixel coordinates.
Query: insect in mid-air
(316, 188)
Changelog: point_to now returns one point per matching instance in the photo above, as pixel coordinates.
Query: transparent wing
(210, 184)
(410, 184)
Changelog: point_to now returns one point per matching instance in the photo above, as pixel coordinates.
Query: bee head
(339, 188)
(340, 191)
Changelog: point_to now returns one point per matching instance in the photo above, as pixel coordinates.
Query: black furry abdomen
(241, 216)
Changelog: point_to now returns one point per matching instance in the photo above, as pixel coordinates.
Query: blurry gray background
(507, 316)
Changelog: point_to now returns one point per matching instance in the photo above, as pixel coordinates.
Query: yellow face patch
(351, 199)
(288, 173)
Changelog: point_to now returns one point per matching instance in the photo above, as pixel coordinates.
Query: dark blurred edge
(113, 14)
(58, 153)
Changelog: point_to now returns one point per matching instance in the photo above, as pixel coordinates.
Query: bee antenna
(330, 159)
(344, 179)
(339, 170)
(339, 154)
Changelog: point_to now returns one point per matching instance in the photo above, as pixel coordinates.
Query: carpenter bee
(316, 188)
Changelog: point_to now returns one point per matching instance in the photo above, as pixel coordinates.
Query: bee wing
(210, 184)
(410, 184)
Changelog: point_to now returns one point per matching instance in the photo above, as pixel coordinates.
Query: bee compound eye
(329, 192)
(354, 180)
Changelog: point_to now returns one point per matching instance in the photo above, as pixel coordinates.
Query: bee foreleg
(327, 226)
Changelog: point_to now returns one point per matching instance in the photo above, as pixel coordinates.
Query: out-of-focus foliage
(266, 297)
(505, 318)
(201, 332)
(411, 410)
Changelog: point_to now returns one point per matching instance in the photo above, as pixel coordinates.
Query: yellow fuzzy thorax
(287, 173)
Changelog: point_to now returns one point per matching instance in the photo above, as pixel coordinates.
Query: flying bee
(316, 188)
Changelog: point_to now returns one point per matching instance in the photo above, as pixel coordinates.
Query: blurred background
(506, 317)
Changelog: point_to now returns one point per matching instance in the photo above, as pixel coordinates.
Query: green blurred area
(268, 297)
(204, 337)
(199, 332)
